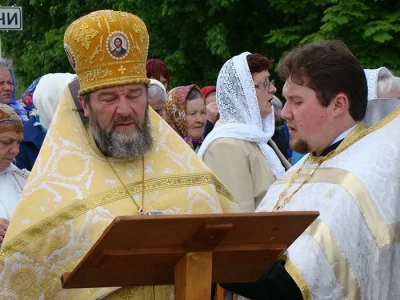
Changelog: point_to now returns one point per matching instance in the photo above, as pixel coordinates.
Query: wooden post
(193, 276)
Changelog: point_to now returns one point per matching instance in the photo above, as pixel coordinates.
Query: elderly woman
(185, 112)
(156, 96)
(239, 149)
(157, 69)
(12, 179)
(7, 88)
(382, 84)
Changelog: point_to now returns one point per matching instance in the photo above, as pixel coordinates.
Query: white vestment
(352, 250)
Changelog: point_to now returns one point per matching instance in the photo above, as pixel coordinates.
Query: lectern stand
(189, 251)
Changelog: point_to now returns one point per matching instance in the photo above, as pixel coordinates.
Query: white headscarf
(159, 84)
(372, 81)
(239, 111)
(47, 95)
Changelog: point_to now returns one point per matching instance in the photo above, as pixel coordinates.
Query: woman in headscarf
(156, 94)
(27, 97)
(46, 96)
(185, 112)
(8, 89)
(12, 179)
(239, 149)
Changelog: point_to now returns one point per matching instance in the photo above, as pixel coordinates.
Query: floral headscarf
(27, 97)
(175, 111)
(9, 120)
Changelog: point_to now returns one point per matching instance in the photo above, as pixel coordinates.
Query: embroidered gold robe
(73, 194)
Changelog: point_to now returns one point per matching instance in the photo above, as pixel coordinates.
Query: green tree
(39, 49)
(370, 28)
(196, 37)
(193, 37)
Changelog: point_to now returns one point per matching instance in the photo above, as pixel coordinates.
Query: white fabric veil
(372, 81)
(47, 95)
(238, 108)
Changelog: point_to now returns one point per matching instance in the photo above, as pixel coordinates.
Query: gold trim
(297, 277)
(383, 234)
(354, 136)
(390, 117)
(337, 259)
(80, 207)
(358, 133)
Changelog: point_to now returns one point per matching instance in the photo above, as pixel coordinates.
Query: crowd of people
(77, 150)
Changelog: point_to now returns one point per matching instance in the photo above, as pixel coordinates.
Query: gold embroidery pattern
(25, 284)
(22, 279)
(138, 69)
(84, 35)
(111, 17)
(136, 47)
(122, 69)
(140, 30)
(95, 17)
(132, 39)
(104, 18)
(98, 73)
(80, 207)
(92, 36)
(125, 16)
(98, 50)
(70, 165)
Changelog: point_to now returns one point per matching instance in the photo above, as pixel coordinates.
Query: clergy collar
(336, 142)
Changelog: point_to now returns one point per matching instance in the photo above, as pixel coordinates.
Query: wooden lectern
(190, 251)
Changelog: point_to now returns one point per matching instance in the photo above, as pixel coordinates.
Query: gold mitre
(107, 48)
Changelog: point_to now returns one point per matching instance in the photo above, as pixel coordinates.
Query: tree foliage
(196, 37)
(370, 28)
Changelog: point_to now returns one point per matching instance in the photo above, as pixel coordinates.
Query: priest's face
(119, 120)
(309, 123)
